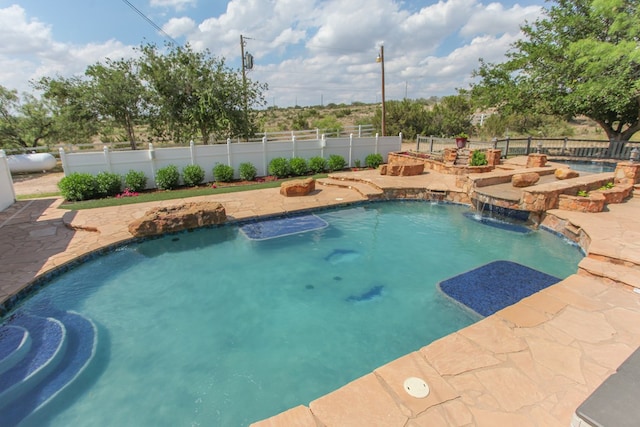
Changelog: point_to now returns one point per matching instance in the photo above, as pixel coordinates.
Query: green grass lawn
(157, 196)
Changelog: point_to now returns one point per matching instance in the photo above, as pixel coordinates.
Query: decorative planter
(592, 203)
(461, 142)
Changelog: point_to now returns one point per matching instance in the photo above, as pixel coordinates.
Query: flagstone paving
(530, 364)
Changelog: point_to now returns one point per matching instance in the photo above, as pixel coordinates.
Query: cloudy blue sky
(308, 51)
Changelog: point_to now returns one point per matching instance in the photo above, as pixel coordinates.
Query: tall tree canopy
(175, 92)
(581, 58)
(118, 94)
(71, 100)
(24, 122)
(196, 94)
(448, 117)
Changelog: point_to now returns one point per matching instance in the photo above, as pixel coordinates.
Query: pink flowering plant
(127, 193)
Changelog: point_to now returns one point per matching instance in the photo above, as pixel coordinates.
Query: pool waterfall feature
(488, 188)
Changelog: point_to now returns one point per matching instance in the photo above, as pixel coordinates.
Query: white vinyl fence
(7, 193)
(232, 154)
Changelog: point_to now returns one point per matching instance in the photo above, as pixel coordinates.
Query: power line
(146, 18)
(321, 47)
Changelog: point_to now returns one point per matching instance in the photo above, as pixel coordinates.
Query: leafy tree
(118, 94)
(300, 122)
(406, 116)
(197, 94)
(580, 58)
(328, 124)
(451, 116)
(24, 122)
(70, 99)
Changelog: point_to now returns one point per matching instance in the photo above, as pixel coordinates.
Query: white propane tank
(37, 162)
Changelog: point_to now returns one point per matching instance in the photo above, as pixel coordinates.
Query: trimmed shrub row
(84, 186)
(281, 167)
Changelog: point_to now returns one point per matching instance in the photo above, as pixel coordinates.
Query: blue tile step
(48, 345)
(494, 286)
(82, 340)
(15, 343)
(285, 226)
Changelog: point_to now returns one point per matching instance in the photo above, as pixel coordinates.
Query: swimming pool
(589, 166)
(211, 328)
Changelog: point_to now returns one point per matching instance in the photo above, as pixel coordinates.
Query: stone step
(49, 342)
(82, 340)
(462, 159)
(15, 343)
(366, 190)
(618, 273)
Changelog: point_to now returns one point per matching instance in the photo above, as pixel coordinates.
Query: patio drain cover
(496, 285)
(416, 387)
(278, 227)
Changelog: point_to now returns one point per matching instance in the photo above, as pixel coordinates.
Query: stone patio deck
(531, 364)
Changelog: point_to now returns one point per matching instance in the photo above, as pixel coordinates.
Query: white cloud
(305, 50)
(31, 53)
(175, 4)
(22, 36)
(495, 19)
(355, 25)
(178, 27)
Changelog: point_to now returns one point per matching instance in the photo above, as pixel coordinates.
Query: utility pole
(247, 63)
(380, 59)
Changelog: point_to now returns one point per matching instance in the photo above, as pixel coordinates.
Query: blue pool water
(589, 167)
(213, 328)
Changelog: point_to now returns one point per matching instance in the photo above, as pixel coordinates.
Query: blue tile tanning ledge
(278, 227)
(496, 285)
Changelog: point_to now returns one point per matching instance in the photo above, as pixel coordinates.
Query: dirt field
(36, 183)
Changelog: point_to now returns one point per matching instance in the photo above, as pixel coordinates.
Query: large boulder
(177, 218)
(524, 179)
(565, 173)
(297, 187)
